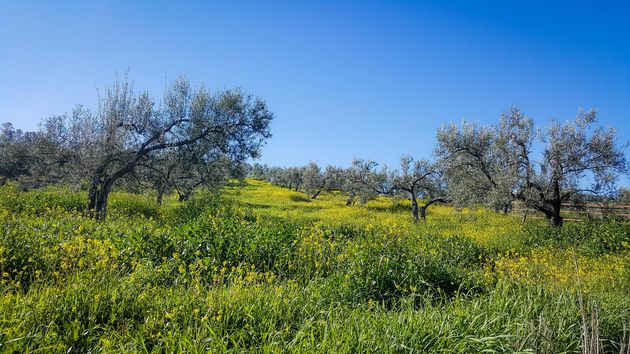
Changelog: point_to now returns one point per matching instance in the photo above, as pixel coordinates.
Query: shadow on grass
(392, 208)
(258, 206)
(300, 198)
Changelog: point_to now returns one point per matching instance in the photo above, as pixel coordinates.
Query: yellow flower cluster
(82, 252)
(566, 269)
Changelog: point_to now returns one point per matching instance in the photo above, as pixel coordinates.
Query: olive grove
(176, 142)
(193, 138)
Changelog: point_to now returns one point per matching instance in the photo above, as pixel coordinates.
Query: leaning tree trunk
(423, 207)
(423, 212)
(316, 194)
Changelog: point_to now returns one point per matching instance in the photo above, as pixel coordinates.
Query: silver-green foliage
(494, 165)
(130, 130)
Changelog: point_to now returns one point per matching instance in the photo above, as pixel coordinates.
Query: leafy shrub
(393, 268)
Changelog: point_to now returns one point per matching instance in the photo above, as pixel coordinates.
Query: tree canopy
(495, 164)
(192, 129)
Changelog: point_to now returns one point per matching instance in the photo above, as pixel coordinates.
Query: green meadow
(259, 268)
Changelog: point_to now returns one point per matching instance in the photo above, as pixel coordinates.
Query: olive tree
(295, 175)
(365, 181)
(128, 130)
(259, 172)
(275, 175)
(496, 164)
(475, 173)
(14, 155)
(34, 159)
(315, 181)
(182, 170)
(418, 178)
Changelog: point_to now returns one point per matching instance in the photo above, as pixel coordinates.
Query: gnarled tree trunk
(423, 207)
(316, 194)
(414, 207)
(97, 198)
(423, 212)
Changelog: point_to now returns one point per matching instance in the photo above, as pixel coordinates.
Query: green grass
(264, 269)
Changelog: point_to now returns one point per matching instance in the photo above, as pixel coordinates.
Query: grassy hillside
(264, 269)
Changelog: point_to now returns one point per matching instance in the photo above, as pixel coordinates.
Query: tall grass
(258, 269)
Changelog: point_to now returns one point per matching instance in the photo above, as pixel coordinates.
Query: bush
(391, 269)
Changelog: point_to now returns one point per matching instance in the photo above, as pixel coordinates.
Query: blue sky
(345, 79)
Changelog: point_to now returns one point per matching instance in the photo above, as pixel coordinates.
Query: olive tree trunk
(97, 198)
(414, 207)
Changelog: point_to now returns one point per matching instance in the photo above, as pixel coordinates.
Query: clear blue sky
(345, 79)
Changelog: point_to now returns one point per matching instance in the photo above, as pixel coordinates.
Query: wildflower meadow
(259, 268)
